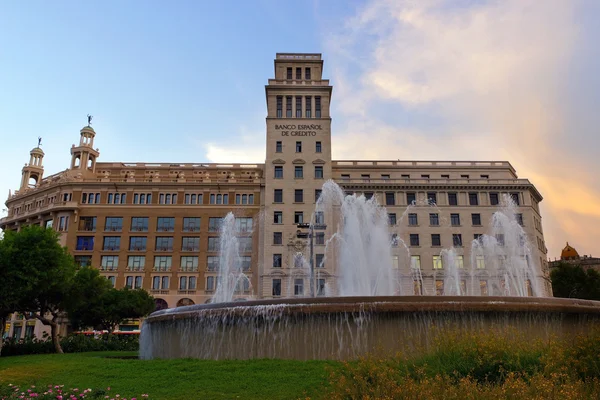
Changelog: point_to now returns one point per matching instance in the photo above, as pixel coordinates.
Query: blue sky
(183, 81)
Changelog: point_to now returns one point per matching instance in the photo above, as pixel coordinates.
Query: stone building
(155, 226)
(571, 256)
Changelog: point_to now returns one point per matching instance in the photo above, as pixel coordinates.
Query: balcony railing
(190, 248)
(188, 269)
(161, 269)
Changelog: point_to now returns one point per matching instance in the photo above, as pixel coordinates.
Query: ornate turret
(83, 157)
(569, 253)
(34, 171)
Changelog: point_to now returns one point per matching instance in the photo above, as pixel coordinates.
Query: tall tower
(33, 172)
(297, 164)
(83, 157)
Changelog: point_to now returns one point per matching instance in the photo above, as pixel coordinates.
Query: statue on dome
(39, 141)
(90, 119)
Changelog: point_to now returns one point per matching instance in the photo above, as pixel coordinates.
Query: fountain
(369, 313)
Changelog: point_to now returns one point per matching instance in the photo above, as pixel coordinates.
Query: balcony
(188, 268)
(111, 248)
(162, 268)
(46, 208)
(189, 292)
(137, 248)
(164, 248)
(131, 268)
(108, 268)
(113, 229)
(190, 248)
(158, 291)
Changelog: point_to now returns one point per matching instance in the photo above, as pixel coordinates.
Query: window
(298, 147)
(165, 224)
(307, 73)
(298, 217)
(318, 172)
(434, 219)
(412, 219)
(483, 287)
(288, 106)
(298, 73)
(385, 177)
(390, 198)
(160, 283)
(137, 243)
(436, 240)
(276, 287)
(278, 172)
(415, 262)
(298, 172)
(278, 147)
(320, 287)
(164, 243)
(445, 176)
(214, 243)
(278, 217)
(473, 199)
(298, 287)
(83, 261)
(317, 194)
(162, 263)
(244, 199)
(87, 224)
(116, 198)
(193, 198)
(112, 280)
(289, 73)
(519, 218)
(494, 199)
(191, 224)
(298, 106)
(437, 262)
(515, 198)
(298, 196)
(278, 196)
(142, 198)
(460, 262)
(277, 238)
(405, 176)
(279, 108)
(476, 219)
(308, 100)
(318, 148)
(219, 199)
(452, 199)
(85, 243)
(432, 198)
(485, 177)
(210, 283)
(455, 219)
(136, 263)
(478, 237)
(366, 177)
(414, 239)
(479, 262)
(109, 263)
(318, 106)
(457, 240)
(411, 198)
(243, 224)
(464, 176)
(345, 177)
(320, 260)
(212, 263)
(190, 244)
(139, 224)
(392, 219)
(394, 239)
(114, 224)
(276, 260)
(425, 176)
(167, 198)
(214, 224)
(187, 283)
(500, 239)
(320, 238)
(111, 243)
(245, 244)
(319, 218)
(63, 223)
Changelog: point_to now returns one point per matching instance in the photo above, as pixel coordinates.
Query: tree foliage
(41, 270)
(572, 281)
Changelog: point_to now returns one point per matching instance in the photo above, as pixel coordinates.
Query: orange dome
(569, 253)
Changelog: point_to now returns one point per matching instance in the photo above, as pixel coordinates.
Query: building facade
(155, 226)
(570, 255)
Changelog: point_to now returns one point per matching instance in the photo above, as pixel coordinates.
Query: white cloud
(490, 73)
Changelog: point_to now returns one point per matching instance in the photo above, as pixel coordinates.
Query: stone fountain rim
(384, 304)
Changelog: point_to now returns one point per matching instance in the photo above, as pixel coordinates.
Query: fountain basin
(347, 327)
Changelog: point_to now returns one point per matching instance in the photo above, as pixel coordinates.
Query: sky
(183, 81)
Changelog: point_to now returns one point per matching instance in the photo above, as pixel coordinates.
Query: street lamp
(310, 236)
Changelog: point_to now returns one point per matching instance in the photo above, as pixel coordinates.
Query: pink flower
(59, 397)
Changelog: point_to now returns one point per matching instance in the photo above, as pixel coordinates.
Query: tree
(84, 304)
(572, 281)
(44, 274)
(110, 307)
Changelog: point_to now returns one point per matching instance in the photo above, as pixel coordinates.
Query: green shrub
(71, 344)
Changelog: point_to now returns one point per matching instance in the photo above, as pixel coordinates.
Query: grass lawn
(170, 379)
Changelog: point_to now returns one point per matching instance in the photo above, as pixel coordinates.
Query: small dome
(37, 150)
(569, 253)
(88, 129)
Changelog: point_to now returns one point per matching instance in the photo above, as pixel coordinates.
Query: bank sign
(298, 130)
